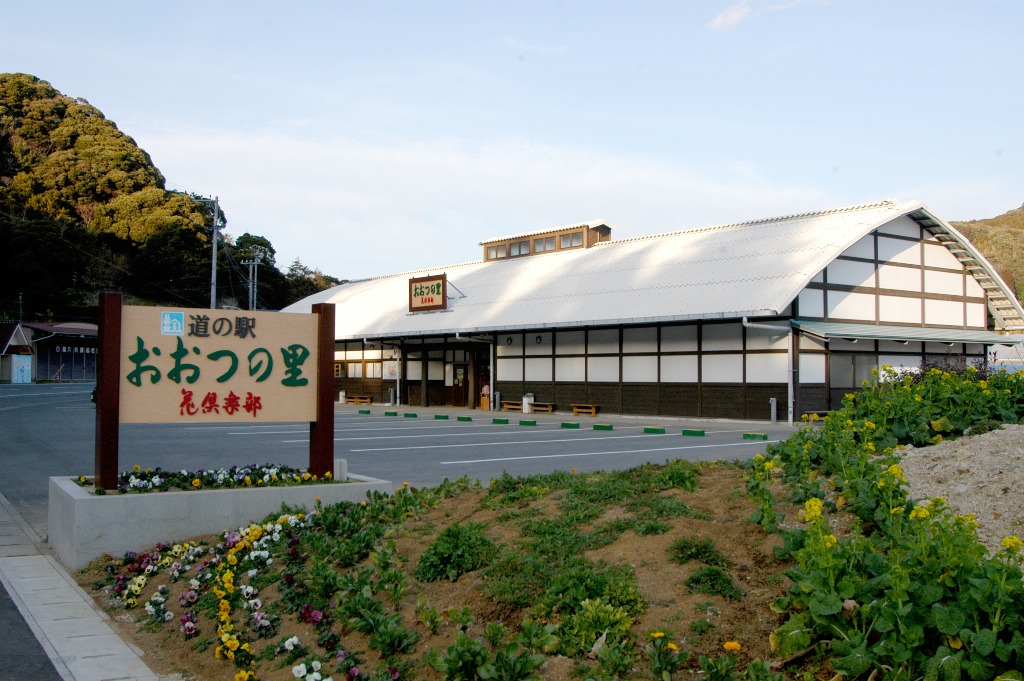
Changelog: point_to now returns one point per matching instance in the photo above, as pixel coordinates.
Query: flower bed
(84, 526)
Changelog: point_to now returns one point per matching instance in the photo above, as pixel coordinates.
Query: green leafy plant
(462, 660)
(663, 656)
(457, 550)
(512, 663)
(713, 580)
(686, 549)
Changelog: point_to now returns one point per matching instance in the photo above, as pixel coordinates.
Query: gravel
(978, 474)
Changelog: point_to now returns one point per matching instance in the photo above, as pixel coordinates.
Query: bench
(507, 405)
(578, 409)
(549, 407)
(357, 399)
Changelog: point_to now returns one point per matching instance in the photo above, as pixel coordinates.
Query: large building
(726, 321)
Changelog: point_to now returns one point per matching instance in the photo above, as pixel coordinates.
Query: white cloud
(517, 44)
(353, 208)
(737, 14)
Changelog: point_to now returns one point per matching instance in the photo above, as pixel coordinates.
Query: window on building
(496, 252)
(519, 248)
(571, 240)
(544, 244)
(373, 370)
(339, 370)
(355, 369)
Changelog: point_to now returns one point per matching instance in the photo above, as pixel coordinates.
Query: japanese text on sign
(428, 293)
(204, 366)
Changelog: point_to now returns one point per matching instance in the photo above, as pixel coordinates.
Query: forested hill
(1001, 240)
(84, 210)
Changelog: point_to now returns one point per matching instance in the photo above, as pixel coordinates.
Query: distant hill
(83, 210)
(1001, 241)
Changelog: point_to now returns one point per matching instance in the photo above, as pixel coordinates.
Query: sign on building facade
(428, 293)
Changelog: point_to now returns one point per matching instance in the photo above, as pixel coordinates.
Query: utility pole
(213, 266)
(253, 266)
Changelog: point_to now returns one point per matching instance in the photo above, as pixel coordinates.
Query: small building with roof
(15, 353)
(64, 351)
(716, 322)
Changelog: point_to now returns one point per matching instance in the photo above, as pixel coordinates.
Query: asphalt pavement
(48, 430)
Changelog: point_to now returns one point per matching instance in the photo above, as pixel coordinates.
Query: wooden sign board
(200, 365)
(428, 293)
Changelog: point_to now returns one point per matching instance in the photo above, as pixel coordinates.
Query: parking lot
(49, 430)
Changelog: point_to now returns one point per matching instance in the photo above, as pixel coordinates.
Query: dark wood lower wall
(735, 401)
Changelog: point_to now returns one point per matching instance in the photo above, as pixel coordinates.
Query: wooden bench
(549, 407)
(357, 399)
(578, 409)
(507, 405)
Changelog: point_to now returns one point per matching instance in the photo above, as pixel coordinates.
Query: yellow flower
(219, 592)
(305, 476)
(919, 512)
(137, 468)
(328, 476)
(316, 500)
(224, 606)
(830, 541)
(731, 646)
(812, 509)
(81, 478)
(895, 471)
(671, 646)
(196, 482)
(248, 480)
(896, 510)
(657, 634)
(1012, 543)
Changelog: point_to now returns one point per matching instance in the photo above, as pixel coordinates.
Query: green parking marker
(755, 436)
(440, 417)
(603, 426)
(653, 430)
(364, 411)
(500, 422)
(391, 413)
(696, 433)
(526, 422)
(409, 415)
(570, 425)
(465, 418)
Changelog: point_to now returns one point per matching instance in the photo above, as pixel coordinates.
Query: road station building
(729, 321)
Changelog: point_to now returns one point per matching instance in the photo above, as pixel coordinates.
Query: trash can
(341, 396)
(485, 402)
(528, 403)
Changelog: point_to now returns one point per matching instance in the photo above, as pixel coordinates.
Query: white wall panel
(896, 346)
(371, 354)
(679, 369)
(538, 369)
(722, 368)
(945, 312)
(812, 368)
(767, 368)
(679, 338)
(899, 250)
(435, 370)
(974, 289)
(843, 305)
(811, 343)
(570, 369)
(570, 342)
(603, 341)
(937, 255)
(899, 278)
(812, 303)
(864, 248)
(945, 283)
(851, 273)
(900, 310)
(765, 339)
(901, 226)
(509, 344)
(533, 347)
(414, 371)
(640, 340)
(643, 369)
(721, 337)
(977, 315)
(510, 369)
(901, 363)
(603, 369)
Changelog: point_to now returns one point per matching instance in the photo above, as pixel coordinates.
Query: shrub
(457, 550)
(685, 549)
(713, 580)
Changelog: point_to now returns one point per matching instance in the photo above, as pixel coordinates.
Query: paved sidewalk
(75, 641)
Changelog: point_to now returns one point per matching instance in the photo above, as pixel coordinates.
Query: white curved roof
(728, 271)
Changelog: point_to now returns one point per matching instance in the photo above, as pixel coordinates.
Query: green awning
(827, 330)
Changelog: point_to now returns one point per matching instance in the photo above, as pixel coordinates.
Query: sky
(369, 138)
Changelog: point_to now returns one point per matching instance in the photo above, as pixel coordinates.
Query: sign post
(174, 365)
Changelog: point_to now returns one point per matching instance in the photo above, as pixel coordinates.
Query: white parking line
(521, 442)
(624, 451)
